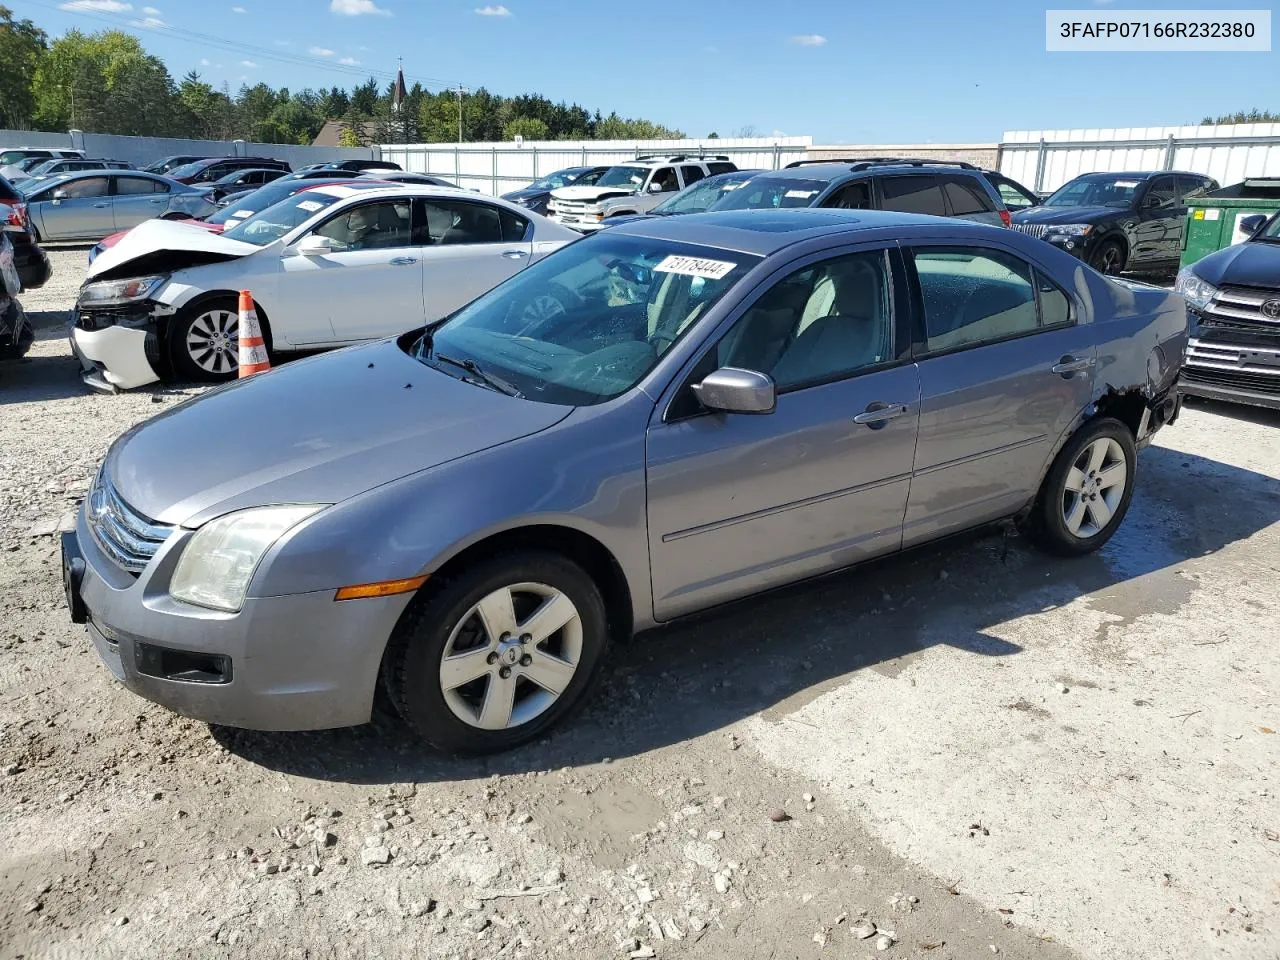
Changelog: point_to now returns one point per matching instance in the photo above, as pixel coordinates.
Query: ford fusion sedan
(1118, 222)
(94, 204)
(469, 514)
(327, 267)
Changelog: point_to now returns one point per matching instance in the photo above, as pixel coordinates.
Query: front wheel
(204, 342)
(498, 653)
(1087, 491)
(1108, 258)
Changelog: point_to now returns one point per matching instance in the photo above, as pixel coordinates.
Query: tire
(215, 322)
(1109, 258)
(1074, 514)
(447, 706)
(20, 336)
(554, 302)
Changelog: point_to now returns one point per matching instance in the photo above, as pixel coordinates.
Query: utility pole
(460, 92)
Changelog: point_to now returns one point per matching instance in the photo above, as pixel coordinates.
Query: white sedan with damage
(327, 267)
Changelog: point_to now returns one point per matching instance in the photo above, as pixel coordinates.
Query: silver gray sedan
(669, 415)
(96, 203)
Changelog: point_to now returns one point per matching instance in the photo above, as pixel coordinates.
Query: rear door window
(691, 174)
(514, 227)
(965, 196)
(975, 295)
(452, 222)
(913, 194)
(134, 185)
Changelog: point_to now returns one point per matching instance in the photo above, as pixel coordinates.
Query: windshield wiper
(469, 365)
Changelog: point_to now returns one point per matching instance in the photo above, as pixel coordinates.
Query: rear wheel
(1108, 258)
(1086, 493)
(204, 342)
(498, 653)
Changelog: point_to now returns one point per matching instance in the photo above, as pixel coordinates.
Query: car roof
(762, 232)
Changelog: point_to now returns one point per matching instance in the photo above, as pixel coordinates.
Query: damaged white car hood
(169, 237)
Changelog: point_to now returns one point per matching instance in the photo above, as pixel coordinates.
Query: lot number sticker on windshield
(310, 206)
(695, 267)
(800, 194)
(247, 213)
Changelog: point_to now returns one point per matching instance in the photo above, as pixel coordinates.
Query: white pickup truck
(630, 188)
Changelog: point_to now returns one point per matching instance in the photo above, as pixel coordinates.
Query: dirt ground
(980, 750)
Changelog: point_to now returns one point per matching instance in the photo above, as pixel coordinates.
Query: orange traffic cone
(253, 349)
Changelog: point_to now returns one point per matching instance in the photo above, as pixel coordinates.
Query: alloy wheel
(541, 308)
(1094, 488)
(511, 656)
(213, 341)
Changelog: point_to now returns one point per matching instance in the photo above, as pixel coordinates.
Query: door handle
(101, 206)
(403, 261)
(1070, 365)
(516, 254)
(159, 200)
(878, 414)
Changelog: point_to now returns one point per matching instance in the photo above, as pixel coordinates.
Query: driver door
(83, 211)
(368, 286)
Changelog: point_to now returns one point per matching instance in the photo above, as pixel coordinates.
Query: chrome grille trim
(1037, 230)
(1230, 357)
(1243, 304)
(123, 534)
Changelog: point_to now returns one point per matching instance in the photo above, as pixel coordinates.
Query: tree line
(106, 82)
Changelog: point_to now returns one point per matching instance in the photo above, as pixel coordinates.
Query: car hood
(318, 430)
(1056, 215)
(591, 193)
(164, 246)
(528, 193)
(1255, 263)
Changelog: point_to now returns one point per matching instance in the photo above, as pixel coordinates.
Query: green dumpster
(1213, 221)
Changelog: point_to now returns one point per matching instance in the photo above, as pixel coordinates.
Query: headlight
(1197, 292)
(115, 293)
(219, 561)
(1071, 229)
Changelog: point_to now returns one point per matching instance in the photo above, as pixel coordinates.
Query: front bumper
(114, 358)
(1237, 372)
(573, 223)
(300, 662)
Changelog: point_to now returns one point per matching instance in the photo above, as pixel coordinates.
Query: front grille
(1230, 379)
(1037, 230)
(123, 534)
(1243, 306)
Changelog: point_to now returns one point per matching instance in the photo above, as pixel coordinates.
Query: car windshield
(256, 200)
(770, 193)
(700, 196)
(555, 180)
(1272, 230)
(623, 177)
(1096, 192)
(587, 323)
(13, 156)
(187, 169)
(275, 221)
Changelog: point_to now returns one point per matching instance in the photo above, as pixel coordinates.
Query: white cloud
(206, 62)
(357, 8)
(491, 11)
(320, 51)
(349, 62)
(808, 40)
(102, 6)
(151, 11)
(248, 63)
(239, 10)
(150, 23)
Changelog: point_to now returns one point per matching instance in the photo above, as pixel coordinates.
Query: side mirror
(731, 390)
(59, 196)
(655, 187)
(1252, 223)
(314, 245)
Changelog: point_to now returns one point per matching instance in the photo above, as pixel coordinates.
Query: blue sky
(844, 71)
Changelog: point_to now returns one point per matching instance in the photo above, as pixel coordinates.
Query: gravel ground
(977, 749)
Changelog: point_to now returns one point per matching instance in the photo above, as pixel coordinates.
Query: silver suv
(630, 188)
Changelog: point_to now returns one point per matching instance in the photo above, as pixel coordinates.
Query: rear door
(83, 212)
(468, 247)
(136, 199)
(1004, 371)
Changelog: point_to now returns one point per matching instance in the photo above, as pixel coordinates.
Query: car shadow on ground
(774, 653)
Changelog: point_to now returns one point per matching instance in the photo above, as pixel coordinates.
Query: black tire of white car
(186, 364)
(434, 623)
(1047, 523)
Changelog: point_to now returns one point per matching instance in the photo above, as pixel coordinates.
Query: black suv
(938, 187)
(215, 168)
(1118, 221)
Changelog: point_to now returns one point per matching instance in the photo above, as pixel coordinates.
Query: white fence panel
(1046, 159)
(495, 168)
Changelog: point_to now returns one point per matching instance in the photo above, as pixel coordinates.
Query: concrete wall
(141, 151)
(496, 168)
(979, 154)
(1046, 159)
